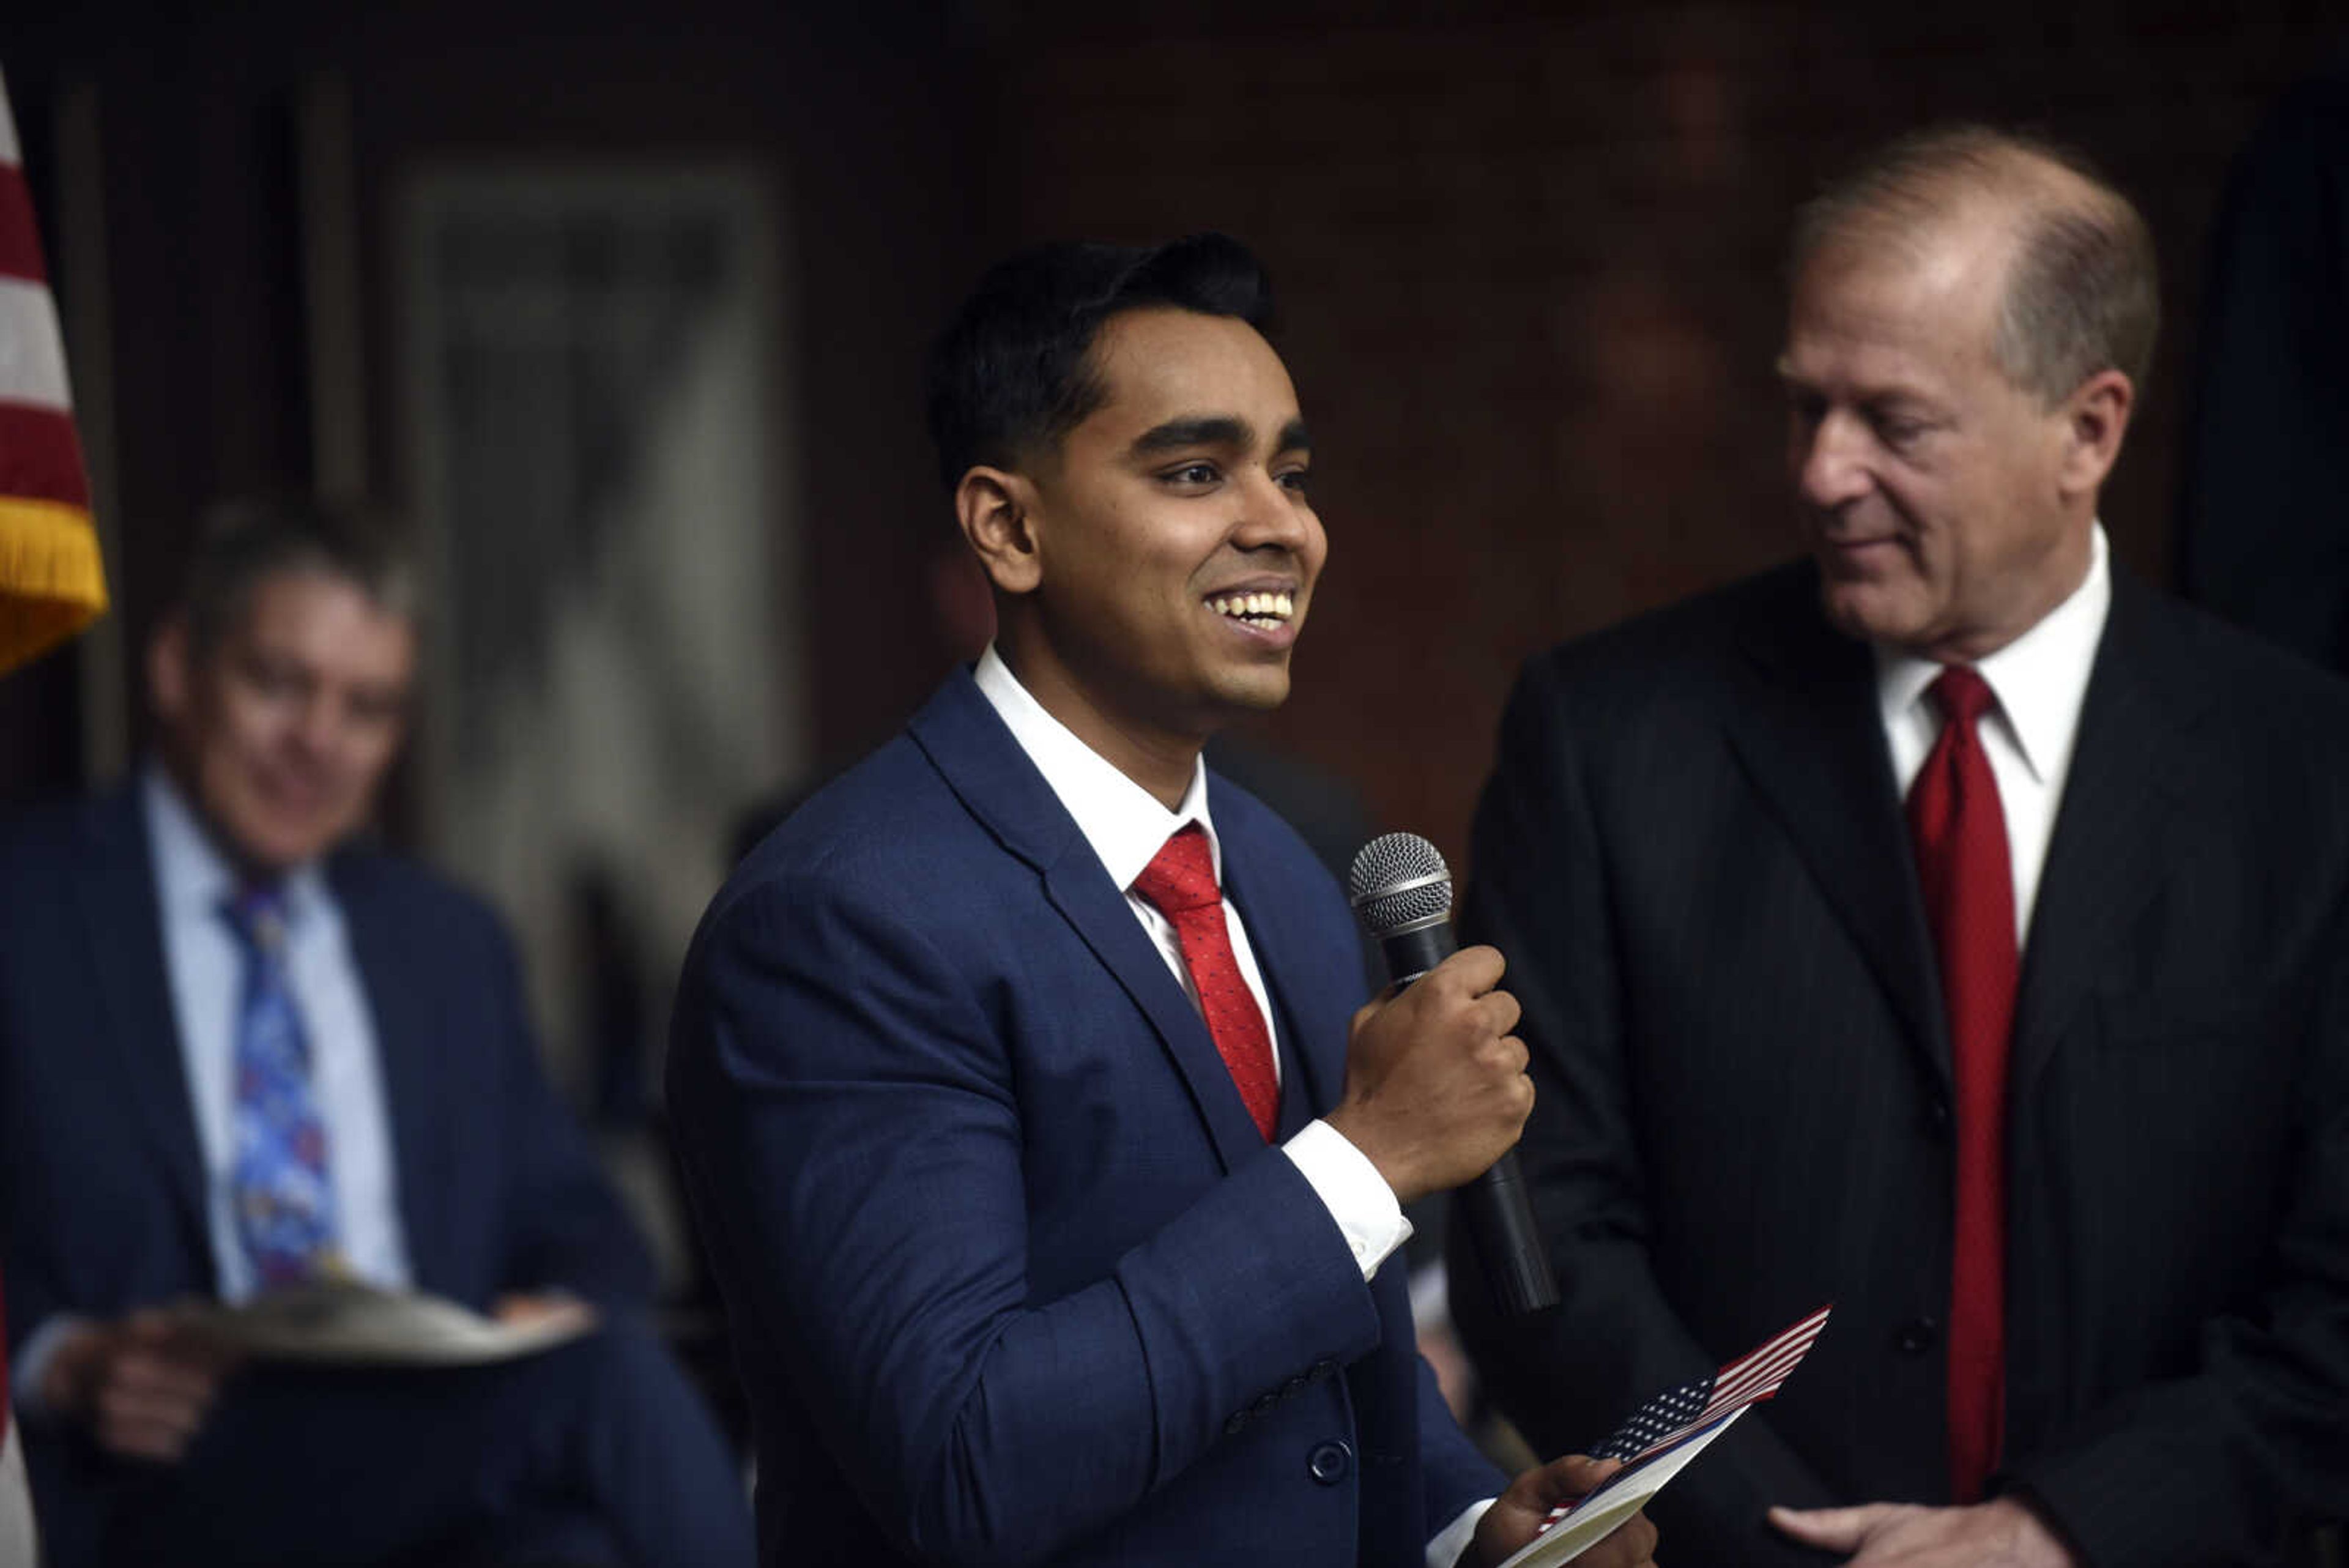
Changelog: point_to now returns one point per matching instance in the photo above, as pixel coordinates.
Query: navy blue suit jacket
(104, 1199)
(1013, 1277)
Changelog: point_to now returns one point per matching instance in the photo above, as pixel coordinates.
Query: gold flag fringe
(52, 581)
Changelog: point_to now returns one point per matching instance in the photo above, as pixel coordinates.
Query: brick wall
(1529, 267)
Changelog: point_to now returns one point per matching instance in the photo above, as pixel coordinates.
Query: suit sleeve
(1456, 1473)
(1568, 1377)
(564, 1224)
(851, 1129)
(2200, 1470)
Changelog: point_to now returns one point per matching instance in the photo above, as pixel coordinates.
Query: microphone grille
(1399, 881)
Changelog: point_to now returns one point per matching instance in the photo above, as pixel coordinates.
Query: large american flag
(51, 580)
(1669, 1418)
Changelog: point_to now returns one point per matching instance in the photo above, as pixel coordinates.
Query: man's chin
(1866, 612)
(1259, 690)
(274, 848)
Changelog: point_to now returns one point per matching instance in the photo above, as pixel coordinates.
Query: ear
(169, 678)
(2095, 417)
(996, 510)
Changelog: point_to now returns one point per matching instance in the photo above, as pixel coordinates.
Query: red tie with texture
(1180, 883)
(1959, 832)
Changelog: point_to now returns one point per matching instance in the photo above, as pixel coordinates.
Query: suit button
(1329, 1463)
(1918, 1336)
(1937, 1117)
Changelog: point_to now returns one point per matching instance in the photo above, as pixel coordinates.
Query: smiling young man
(1047, 1167)
(239, 1053)
(1950, 929)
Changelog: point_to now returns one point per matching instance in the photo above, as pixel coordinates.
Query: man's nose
(318, 729)
(1830, 467)
(1271, 514)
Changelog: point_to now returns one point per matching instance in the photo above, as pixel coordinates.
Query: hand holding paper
(1539, 1496)
(1662, 1437)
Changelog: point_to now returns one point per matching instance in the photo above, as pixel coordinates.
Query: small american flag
(1666, 1419)
(1686, 1413)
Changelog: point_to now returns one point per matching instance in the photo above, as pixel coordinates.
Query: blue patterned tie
(282, 1192)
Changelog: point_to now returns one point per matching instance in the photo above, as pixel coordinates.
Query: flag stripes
(32, 355)
(40, 460)
(52, 582)
(20, 248)
(1669, 1418)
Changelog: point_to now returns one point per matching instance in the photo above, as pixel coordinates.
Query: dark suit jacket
(2263, 524)
(104, 1199)
(1693, 853)
(1013, 1276)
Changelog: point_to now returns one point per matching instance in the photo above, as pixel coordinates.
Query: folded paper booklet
(347, 1323)
(1662, 1437)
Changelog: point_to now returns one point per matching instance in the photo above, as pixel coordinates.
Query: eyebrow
(1208, 430)
(1215, 430)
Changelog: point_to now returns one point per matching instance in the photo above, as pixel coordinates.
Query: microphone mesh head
(1390, 884)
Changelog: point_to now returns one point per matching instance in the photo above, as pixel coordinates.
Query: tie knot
(257, 913)
(1962, 694)
(1182, 875)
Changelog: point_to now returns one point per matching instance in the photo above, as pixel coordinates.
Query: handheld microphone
(1403, 891)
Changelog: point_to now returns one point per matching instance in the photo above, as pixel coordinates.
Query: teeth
(1255, 607)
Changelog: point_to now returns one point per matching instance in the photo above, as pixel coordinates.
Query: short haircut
(240, 543)
(1014, 373)
(2083, 291)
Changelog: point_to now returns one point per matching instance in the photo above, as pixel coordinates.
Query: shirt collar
(2040, 679)
(1125, 824)
(193, 879)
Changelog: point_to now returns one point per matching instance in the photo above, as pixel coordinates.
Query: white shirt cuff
(1445, 1549)
(1350, 1188)
(30, 1369)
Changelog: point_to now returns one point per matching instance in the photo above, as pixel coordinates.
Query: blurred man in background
(238, 1054)
(2045, 1085)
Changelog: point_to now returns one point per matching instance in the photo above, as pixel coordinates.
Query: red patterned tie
(1969, 882)
(1180, 883)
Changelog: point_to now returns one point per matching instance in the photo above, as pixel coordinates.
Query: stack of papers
(346, 1323)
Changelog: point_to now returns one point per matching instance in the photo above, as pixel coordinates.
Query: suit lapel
(965, 740)
(122, 928)
(403, 1037)
(1808, 730)
(2104, 860)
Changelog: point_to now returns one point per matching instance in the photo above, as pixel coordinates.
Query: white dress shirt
(2040, 680)
(1127, 826)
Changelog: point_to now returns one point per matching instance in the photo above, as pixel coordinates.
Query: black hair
(1014, 373)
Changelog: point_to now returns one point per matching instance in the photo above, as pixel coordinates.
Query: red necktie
(1969, 882)
(1180, 883)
